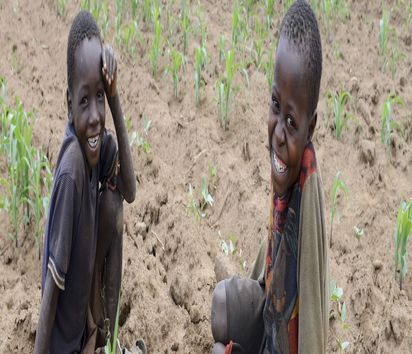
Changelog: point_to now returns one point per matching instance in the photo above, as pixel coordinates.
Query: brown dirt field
(171, 261)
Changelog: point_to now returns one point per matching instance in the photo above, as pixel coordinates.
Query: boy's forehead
(291, 73)
(88, 54)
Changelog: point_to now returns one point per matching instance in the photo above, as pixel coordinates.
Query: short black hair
(83, 26)
(300, 28)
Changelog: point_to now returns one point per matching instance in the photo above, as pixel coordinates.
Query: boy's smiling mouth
(93, 141)
(279, 165)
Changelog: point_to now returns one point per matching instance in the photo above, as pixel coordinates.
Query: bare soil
(171, 260)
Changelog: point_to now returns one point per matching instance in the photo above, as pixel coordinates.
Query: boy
(286, 310)
(88, 155)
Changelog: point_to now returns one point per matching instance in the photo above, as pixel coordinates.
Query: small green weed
(359, 232)
(228, 247)
(336, 297)
(197, 206)
(337, 186)
(207, 197)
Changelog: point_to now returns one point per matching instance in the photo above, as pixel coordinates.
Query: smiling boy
(88, 156)
(286, 309)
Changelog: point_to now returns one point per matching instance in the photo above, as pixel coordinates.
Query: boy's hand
(109, 70)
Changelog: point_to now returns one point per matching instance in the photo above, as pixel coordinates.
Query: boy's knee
(219, 313)
(111, 211)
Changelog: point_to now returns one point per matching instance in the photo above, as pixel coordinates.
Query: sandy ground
(171, 260)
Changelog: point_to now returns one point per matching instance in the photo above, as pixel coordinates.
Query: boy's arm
(47, 314)
(313, 270)
(126, 178)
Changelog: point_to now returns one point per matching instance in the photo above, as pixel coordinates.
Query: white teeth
(93, 141)
(279, 165)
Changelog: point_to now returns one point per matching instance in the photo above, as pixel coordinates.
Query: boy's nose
(94, 114)
(280, 133)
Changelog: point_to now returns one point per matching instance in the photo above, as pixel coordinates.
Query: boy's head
(85, 87)
(295, 94)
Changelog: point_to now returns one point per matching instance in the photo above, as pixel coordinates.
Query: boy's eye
(275, 104)
(83, 101)
(100, 94)
(290, 122)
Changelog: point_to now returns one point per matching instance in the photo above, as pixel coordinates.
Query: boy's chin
(92, 157)
(280, 185)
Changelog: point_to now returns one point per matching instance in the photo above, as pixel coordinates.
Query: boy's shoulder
(71, 160)
(309, 164)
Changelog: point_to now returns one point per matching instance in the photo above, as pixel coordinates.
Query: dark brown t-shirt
(71, 235)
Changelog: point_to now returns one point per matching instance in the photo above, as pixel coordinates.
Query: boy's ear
(312, 125)
(69, 105)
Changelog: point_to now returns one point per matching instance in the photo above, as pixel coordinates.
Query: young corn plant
(269, 13)
(106, 19)
(384, 32)
(200, 63)
(225, 90)
(155, 50)
(130, 38)
(177, 61)
(238, 26)
(336, 105)
(85, 5)
(269, 67)
(113, 346)
(202, 30)
(338, 186)
(395, 57)
(388, 123)
(40, 185)
(248, 6)
(331, 9)
(28, 176)
(258, 44)
(287, 4)
(402, 232)
(61, 7)
(185, 26)
(96, 10)
(221, 47)
(133, 7)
